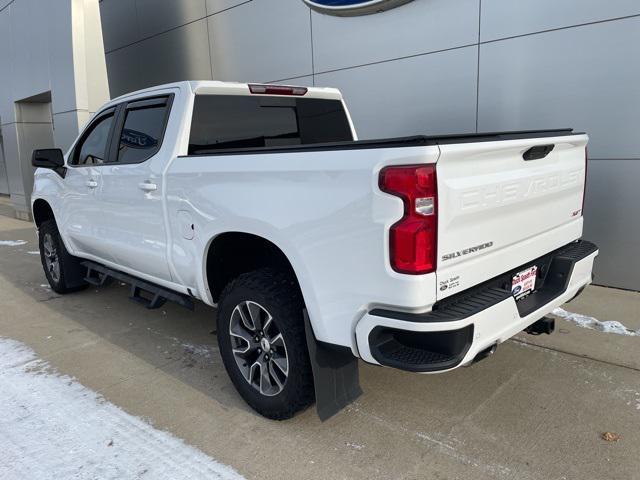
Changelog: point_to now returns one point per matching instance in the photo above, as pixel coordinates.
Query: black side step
(100, 275)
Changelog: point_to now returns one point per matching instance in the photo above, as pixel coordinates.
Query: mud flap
(335, 374)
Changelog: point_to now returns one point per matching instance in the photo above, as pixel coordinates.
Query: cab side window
(93, 148)
(142, 130)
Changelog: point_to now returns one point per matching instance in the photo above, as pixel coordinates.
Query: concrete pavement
(535, 410)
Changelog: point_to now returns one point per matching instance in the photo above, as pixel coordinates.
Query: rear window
(223, 122)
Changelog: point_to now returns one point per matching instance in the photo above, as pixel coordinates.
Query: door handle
(92, 183)
(147, 186)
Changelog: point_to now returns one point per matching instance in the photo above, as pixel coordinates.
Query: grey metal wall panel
(66, 127)
(7, 113)
(506, 18)
(215, 6)
(30, 59)
(161, 16)
(306, 81)
(119, 23)
(419, 27)
(611, 221)
(50, 52)
(34, 130)
(435, 94)
(261, 41)
(584, 77)
(66, 90)
(123, 70)
(4, 178)
(33, 112)
(14, 172)
(180, 54)
(30, 137)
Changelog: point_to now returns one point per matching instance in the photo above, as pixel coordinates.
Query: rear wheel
(63, 271)
(263, 344)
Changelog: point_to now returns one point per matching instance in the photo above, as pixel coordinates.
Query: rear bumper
(463, 326)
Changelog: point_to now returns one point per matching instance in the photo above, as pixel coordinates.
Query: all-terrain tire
(68, 275)
(279, 296)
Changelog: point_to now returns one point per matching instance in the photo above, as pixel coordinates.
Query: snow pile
(12, 243)
(53, 427)
(610, 326)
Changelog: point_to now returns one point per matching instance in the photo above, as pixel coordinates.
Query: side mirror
(48, 158)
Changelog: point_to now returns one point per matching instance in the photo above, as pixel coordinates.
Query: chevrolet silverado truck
(420, 253)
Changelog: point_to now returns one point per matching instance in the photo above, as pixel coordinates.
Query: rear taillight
(277, 90)
(413, 239)
(584, 188)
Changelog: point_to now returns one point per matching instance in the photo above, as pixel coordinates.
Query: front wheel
(263, 345)
(63, 271)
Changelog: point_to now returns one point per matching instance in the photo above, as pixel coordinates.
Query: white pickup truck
(419, 253)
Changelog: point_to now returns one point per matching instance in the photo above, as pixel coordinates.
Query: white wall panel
(506, 18)
(261, 40)
(429, 94)
(418, 27)
(96, 88)
(585, 77)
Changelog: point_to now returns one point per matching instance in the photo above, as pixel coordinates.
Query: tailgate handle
(537, 152)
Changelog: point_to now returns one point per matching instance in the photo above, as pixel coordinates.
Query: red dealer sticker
(524, 282)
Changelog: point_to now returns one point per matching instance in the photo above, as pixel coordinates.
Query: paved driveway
(535, 410)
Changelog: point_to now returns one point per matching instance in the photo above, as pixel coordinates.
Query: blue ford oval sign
(346, 8)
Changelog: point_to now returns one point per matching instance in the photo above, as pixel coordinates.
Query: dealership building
(404, 67)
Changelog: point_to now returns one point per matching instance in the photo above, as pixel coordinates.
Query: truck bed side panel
(323, 209)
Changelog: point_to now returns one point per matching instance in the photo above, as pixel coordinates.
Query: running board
(100, 275)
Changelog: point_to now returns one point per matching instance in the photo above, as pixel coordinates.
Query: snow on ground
(201, 350)
(610, 326)
(34, 252)
(12, 243)
(52, 427)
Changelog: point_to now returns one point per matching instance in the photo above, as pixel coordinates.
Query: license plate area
(524, 282)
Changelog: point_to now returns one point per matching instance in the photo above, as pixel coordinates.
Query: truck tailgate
(503, 203)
